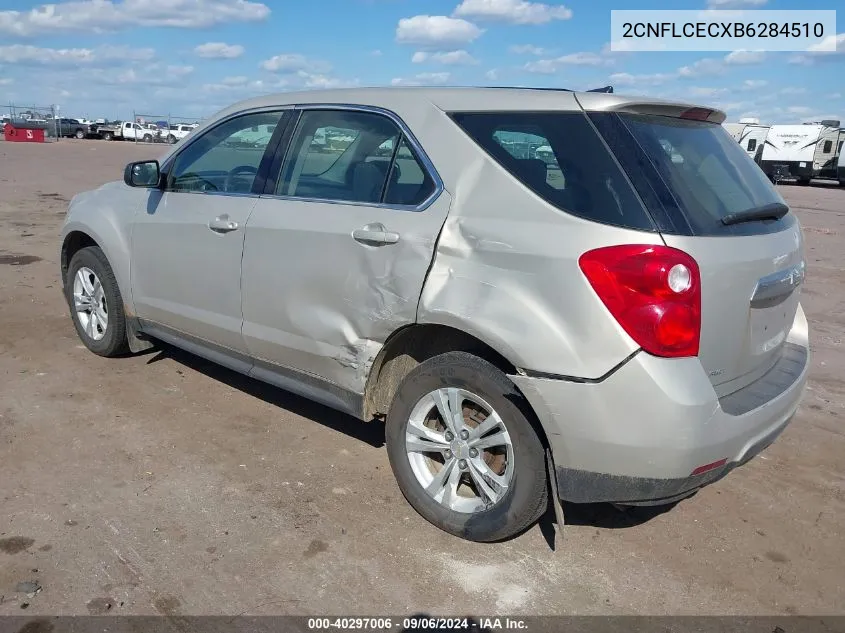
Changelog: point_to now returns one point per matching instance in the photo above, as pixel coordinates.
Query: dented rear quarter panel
(506, 269)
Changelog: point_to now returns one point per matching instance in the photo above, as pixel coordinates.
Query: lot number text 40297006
(417, 623)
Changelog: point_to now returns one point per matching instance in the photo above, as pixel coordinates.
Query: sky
(190, 58)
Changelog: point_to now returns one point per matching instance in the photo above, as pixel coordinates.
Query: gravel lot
(162, 484)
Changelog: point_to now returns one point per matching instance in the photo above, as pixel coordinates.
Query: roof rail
(607, 89)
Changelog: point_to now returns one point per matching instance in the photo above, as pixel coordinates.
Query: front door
(337, 253)
(187, 244)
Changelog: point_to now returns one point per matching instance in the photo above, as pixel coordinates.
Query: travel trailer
(840, 167)
(750, 134)
(801, 152)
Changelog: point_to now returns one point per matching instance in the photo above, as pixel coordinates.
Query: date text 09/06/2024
(416, 624)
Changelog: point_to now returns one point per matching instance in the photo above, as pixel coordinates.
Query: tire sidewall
(450, 370)
(87, 258)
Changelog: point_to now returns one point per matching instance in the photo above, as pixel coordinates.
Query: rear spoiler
(595, 101)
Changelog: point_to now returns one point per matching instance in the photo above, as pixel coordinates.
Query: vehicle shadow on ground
(596, 515)
(371, 433)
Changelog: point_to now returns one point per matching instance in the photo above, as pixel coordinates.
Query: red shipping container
(23, 134)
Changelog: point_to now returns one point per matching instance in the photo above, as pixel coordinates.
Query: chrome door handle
(222, 224)
(375, 234)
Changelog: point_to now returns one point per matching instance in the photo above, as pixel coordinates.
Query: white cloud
(816, 53)
(743, 58)
(376, 53)
(6, 81)
(527, 49)
(312, 80)
(179, 71)
(793, 90)
(551, 66)
(654, 79)
(492, 74)
(835, 95)
(698, 91)
(451, 58)
(513, 11)
(799, 110)
(294, 62)
(423, 79)
(34, 55)
(111, 15)
(753, 84)
(436, 31)
(735, 4)
(706, 66)
(219, 50)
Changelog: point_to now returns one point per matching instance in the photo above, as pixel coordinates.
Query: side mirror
(145, 173)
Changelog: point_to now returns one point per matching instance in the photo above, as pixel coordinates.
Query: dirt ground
(162, 484)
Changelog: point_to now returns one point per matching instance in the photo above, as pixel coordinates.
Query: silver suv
(543, 293)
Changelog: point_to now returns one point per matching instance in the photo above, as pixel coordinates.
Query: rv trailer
(801, 152)
(750, 134)
(840, 166)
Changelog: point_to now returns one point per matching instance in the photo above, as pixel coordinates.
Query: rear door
(751, 270)
(338, 248)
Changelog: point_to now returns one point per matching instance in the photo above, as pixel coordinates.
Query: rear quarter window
(560, 157)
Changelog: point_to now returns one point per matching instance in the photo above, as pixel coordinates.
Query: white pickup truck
(128, 131)
(179, 131)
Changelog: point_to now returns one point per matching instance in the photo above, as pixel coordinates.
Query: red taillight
(653, 292)
(696, 114)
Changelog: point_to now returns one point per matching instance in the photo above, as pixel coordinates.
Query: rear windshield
(699, 173)
(559, 156)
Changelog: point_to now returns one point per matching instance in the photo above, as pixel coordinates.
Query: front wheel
(171, 139)
(96, 306)
(463, 450)
(148, 138)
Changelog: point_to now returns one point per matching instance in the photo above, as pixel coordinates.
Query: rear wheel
(171, 139)
(463, 450)
(107, 136)
(80, 134)
(148, 138)
(95, 303)
(803, 181)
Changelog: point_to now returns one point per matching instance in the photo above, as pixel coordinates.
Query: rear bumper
(638, 436)
(789, 169)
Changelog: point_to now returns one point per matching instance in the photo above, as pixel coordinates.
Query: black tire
(114, 342)
(171, 139)
(803, 181)
(527, 496)
(147, 138)
(107, 136)
(80, 134)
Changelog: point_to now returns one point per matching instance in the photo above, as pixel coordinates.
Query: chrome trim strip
(779, 285)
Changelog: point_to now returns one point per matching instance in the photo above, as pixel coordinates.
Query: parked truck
(127, 131)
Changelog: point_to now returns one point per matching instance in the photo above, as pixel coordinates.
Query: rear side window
(752, 144)
(559, 156)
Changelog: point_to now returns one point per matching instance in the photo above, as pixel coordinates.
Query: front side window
(828, 145)
(226, 158)
(752, 144)
(345, 155)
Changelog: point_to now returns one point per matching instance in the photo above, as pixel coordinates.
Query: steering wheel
(237, 171)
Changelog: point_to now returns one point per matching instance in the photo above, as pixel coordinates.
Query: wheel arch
(409, 346)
